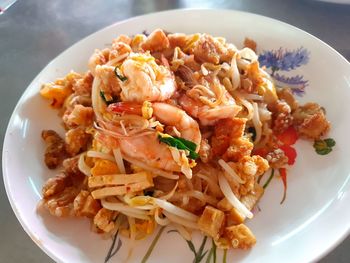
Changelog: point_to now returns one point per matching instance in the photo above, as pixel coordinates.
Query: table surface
(33, 32)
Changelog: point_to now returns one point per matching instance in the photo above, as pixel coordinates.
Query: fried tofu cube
(240, 236)
(250, 200)
(234, 217)
(224, 205)
(211, 221)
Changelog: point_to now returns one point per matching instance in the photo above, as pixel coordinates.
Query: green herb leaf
(253, 132)
(148, 192)
(193, 155)
(102, 94)
(181, 144)
(171, 141)
(190, 145)
(323, 147)
(119, 75)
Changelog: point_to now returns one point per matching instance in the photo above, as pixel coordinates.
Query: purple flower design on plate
(296, 83)
(286, 60)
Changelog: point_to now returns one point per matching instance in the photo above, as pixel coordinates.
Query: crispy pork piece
(287, 95)
(55, 185)
(77, 140)
(250, 43)
(85, 205)
(79, 116)
(310, 121)
(55, 148)
(156, 41)
(210, 49)
(277, 159)
(281, 115)
(104, 219)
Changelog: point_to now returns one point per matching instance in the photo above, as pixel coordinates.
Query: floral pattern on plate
(286, 60)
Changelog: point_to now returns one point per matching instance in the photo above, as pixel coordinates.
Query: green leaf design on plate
(269, 179)
(153, 244)
(212, 253)
(112, 250)
(200, 254)
(330, 142)
(224, 257)
(323, 147)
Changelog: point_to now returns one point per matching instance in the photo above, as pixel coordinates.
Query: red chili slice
(261, 152)
(126, 107)
(288, 137)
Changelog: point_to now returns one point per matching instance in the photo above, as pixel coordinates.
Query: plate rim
(21, 99)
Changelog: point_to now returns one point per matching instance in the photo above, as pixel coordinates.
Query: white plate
(312, 221)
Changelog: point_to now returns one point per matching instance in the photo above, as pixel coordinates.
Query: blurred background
(33, 32)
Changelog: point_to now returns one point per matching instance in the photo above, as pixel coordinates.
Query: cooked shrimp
(168, 115)
(147, 148)
(173, 116)
(99, 57)
(206, 114)
(145, 79)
